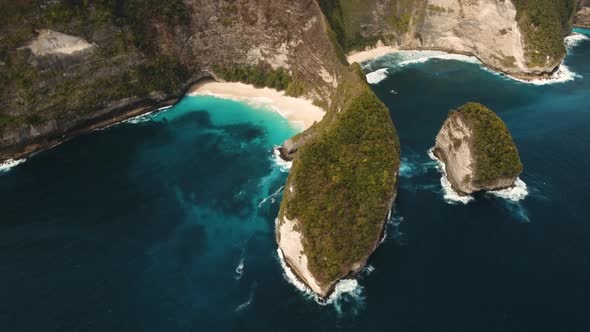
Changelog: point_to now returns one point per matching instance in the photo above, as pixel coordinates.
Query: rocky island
(477, 150)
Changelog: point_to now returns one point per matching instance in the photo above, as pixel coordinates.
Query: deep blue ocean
(165, 223)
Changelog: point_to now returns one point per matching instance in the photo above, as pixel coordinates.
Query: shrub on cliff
(344, 180)
(494, 151)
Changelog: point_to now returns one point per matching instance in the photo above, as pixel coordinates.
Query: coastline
(300, 112)
(558, 74)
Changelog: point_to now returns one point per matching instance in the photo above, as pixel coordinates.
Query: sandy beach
(300, 111)
(368, 54)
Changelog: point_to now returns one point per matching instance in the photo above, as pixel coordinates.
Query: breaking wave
(450, 195)
(377, 76)
(575, 39)
(345, 291)
(283, 165)
(146, 116)
(7, 165)
(515, 194)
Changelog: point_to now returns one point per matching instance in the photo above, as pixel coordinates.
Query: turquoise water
(142, 226)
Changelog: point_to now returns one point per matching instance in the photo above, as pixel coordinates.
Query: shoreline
(300, 112)
(537, 78)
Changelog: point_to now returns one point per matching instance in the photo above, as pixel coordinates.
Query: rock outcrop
(477, 150)
(501, 33)
(582, 18)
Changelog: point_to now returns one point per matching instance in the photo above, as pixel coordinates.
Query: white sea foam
(402, 59)
(240, 270)
(345, 290)
(272, 198)
(377, 76)
(146, 116)
(7, 165)
(283, 165)
(517, 193)
(575, 39)
(450, 195)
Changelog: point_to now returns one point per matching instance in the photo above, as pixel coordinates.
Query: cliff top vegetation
(496, 155)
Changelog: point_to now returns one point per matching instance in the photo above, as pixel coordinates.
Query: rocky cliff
(582, 18)
(521, 38)
(477, 150)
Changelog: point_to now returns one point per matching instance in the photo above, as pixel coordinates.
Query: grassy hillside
(344, 180)
(496, 155)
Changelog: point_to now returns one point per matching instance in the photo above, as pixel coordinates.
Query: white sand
(299, 111)
(370, 53)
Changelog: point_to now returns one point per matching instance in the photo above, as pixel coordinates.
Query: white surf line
(9, 164)
(562, 75)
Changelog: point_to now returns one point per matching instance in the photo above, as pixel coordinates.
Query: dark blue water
(140, 227)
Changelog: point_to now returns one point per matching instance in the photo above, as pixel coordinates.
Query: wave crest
(283, 165)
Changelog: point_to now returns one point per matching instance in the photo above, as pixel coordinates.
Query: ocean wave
(515, 194)
(146, 116)
(346, 290)
(7, 165)
(271, 198)
(449, 194)
(283, 165)
(377, 76)
(575, 39)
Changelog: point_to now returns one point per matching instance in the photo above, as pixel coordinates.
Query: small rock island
(477, 150)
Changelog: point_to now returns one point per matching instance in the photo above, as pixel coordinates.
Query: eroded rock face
(457, 145)
(487, 29)
(52, 42)
(582, 18)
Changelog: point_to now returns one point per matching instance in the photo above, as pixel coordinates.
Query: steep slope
(477, 150)
(522, 38)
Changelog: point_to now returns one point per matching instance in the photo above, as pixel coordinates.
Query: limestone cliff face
(487, 29)
(470, 154)
(582, 18)
(490, 30)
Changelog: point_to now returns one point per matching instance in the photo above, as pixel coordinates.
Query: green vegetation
(344, 180)
(496, 155)
(347, 17)
(544, 24)
(261, 75)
